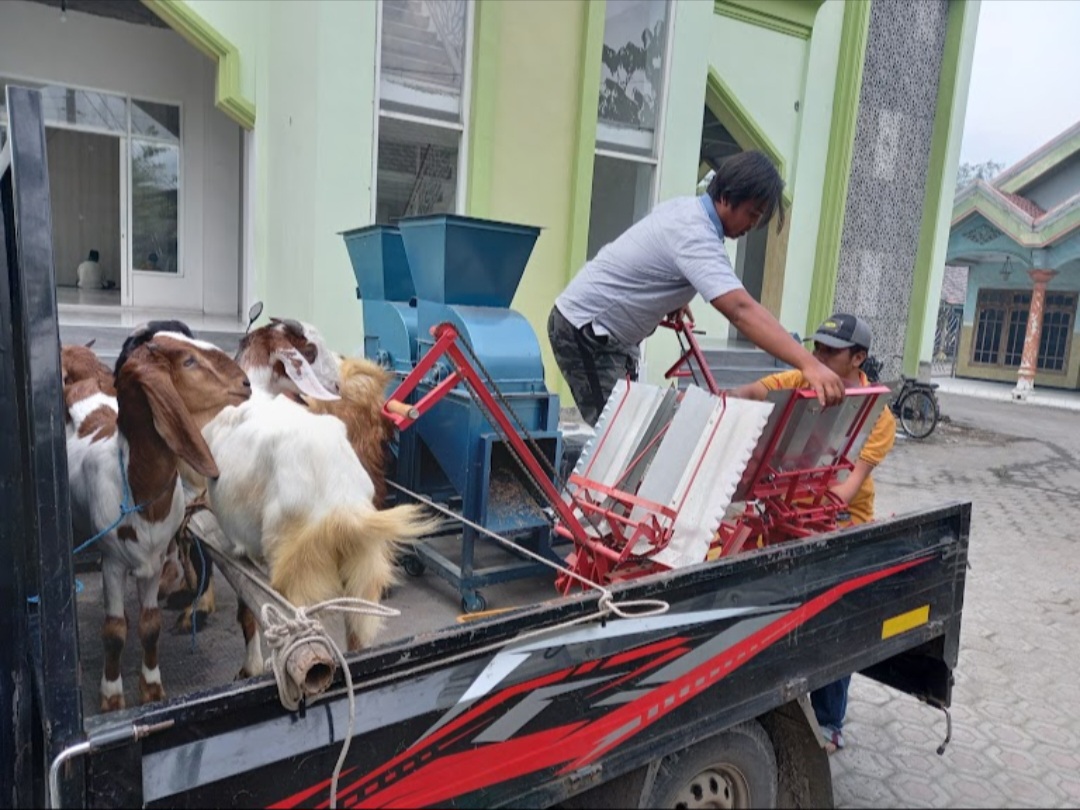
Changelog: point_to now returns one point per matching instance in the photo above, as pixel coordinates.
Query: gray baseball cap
(841, 331)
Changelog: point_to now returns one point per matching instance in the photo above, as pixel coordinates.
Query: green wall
(237, 21)
(768, 71)
(813, 147)
(952, 102)
(534, 98)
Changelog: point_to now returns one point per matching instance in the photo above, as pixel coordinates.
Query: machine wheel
(735, 769)
(918, 413)
(413, 565)
(473, 602)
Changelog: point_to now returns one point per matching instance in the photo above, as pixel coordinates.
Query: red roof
(1025, 205)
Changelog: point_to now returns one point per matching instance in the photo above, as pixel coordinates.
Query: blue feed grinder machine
(441, 268)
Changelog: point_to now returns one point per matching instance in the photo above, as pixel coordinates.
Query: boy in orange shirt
(842, 343)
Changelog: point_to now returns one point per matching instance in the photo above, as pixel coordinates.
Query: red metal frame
(446, 337)
(684, 327)
(797, 503)
(780, 505)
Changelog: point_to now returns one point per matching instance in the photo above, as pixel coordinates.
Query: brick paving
(1016, 705)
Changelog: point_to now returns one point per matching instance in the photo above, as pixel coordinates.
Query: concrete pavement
(1016, 705)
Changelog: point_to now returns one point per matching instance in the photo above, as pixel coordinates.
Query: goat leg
(150, 688)
(113, 635)
(253, 661)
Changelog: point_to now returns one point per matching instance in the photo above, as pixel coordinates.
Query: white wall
(157, 65)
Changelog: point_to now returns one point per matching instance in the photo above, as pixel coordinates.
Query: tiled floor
(96, 298)
(86, 314)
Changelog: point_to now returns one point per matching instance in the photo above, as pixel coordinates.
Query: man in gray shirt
(656, 267)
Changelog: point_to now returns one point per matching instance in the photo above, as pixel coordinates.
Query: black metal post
(45, 509)
(16, 760)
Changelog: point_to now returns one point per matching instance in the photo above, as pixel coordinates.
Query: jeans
(830, 703)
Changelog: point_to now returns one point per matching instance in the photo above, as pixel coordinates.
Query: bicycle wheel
(918, 413)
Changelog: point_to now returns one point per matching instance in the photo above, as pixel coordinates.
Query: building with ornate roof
(1019, 235)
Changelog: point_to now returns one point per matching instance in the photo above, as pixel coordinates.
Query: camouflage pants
(591, 363)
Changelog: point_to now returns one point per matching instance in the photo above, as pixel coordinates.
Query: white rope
(634, 608)
(284, 634)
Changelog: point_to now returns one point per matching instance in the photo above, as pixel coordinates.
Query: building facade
(1019, 236)
(299, 120)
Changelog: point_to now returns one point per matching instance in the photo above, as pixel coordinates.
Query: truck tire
(735, 769)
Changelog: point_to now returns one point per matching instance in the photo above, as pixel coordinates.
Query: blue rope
(126, 509)
(199, 591)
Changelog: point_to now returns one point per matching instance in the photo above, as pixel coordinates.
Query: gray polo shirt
(655, 267)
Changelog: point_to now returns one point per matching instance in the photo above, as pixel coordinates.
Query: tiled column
(1029, 361)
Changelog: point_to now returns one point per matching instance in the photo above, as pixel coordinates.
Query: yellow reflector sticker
(905, 621)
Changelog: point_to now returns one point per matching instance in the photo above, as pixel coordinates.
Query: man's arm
(847, 488)
(755, 390)
(758, 324)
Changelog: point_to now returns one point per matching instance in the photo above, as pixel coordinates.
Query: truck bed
(475, 715)
(211, 658)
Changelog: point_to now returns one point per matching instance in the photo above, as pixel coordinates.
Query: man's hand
(826, 384)
(684, 310)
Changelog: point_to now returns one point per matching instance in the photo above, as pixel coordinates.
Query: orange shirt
(878, 443)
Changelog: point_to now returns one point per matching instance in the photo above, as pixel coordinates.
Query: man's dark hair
(750, 176)
(144, 334)
(94, 256)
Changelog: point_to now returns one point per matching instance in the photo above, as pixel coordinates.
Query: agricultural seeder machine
(650, 492)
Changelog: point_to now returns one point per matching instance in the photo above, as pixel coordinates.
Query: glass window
(152, 120)
(621, 195)
(66, 106)
(155, 185)
(83, 108)
(1058, 318)
(417, 170)
(631, 75)
(423, 57)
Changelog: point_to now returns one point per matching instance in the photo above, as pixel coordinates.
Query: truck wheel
(735, 769)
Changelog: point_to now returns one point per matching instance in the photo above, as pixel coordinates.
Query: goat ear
(300, 372)
(175, 425)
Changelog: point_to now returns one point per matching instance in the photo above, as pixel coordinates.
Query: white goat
(124, 484)
(290, 357)
(293, 495)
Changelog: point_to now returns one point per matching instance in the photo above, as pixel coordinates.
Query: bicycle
(915, 405)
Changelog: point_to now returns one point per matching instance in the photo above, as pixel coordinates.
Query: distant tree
(970, 172)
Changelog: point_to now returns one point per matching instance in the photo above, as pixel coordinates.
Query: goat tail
(347, 552)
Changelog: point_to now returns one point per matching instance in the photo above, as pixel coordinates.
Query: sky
(1025, 78)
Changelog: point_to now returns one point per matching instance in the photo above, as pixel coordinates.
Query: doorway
(85, 187)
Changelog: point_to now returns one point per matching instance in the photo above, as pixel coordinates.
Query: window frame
(654, 160)
(126, 138)
(460, 127)
(1016, 309)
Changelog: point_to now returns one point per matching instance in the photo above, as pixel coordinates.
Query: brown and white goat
(289, 357)
(90, 397)
(162, 389)
(293, 495)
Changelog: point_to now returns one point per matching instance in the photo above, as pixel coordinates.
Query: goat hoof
(150, 692)
(112, 703)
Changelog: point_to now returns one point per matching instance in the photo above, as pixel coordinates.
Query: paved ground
(1016, 710)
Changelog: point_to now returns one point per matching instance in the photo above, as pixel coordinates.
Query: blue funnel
(464, 260)
(379, 263)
